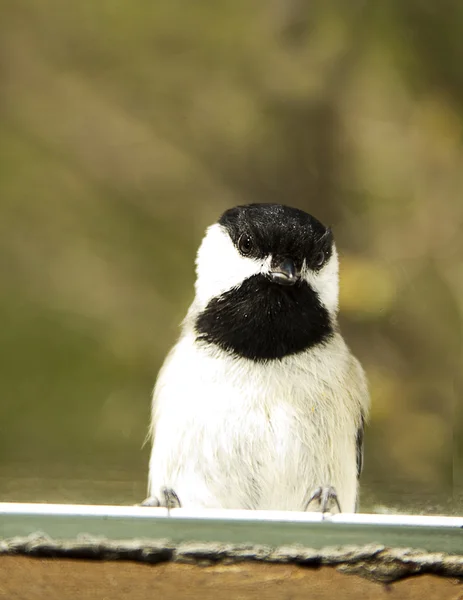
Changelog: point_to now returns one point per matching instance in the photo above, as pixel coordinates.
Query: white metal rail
(270, 528)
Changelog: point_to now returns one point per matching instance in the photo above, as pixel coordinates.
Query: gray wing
(359, 443)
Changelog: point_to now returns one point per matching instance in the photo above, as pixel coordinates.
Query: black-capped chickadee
(260, 404)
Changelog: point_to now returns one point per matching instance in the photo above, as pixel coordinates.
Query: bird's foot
(168, 499)
(327, 497)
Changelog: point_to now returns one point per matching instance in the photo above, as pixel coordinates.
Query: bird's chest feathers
(266, 407)
(229, 405)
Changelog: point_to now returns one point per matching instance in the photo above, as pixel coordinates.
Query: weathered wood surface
(27, 578)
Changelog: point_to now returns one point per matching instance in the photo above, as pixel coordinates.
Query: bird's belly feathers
(253, 442)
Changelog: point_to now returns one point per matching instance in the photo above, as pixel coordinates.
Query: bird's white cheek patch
(326, 283)
(219, 265)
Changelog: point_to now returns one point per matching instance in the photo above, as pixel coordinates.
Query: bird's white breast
(233, 433)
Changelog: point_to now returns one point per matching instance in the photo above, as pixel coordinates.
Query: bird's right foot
(326, 497)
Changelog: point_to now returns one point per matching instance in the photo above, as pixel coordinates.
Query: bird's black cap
(279, 230)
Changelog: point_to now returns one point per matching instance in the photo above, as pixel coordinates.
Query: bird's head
(267, 282)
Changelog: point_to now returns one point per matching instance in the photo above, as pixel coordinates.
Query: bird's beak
(284, 273)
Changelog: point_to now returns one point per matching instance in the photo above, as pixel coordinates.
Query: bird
(260, 405)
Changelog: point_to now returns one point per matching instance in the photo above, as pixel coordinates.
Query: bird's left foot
(169, 499)
(327, 497)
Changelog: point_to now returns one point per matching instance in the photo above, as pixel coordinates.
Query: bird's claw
(326, 497)
(169, 500)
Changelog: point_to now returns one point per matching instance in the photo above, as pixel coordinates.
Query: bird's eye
(320, 259)
(245, 244)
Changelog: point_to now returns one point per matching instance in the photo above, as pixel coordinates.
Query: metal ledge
(235, 527)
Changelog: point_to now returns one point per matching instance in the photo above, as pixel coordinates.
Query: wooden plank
(34, 579)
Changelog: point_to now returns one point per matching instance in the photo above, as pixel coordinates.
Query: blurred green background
(126, 128)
